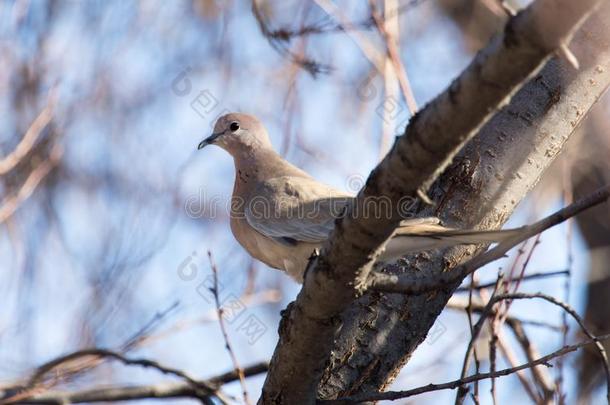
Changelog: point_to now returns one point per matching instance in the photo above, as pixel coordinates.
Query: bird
(281, 215)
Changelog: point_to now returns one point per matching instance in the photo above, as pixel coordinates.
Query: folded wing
(301, 210)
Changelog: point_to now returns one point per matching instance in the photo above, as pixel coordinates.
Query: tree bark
(489, 185)
(481, 189)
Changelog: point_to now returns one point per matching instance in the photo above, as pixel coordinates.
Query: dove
(280, 214)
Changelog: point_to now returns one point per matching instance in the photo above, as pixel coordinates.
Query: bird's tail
(421, 234)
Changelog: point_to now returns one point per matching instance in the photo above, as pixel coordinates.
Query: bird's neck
(253, 166)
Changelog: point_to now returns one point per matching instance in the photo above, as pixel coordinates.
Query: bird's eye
(234, 126)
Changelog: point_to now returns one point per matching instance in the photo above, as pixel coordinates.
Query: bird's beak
(209, 140)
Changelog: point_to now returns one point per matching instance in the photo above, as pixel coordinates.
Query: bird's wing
(295, 209)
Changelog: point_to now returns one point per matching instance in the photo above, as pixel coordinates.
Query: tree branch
(182, 389)
(527, 277)
(394, 395)
(200, 389)
(379, 332)
(431, 140)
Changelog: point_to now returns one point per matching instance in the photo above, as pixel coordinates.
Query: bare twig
(144, 332)
(475, 354)
(527, 277)
(233, 375)
(511, 359)
(458, 303)
(506, 350)
(219, 310)
(540, 373)
(203, 389)
(123, 393)
(512, 296)
(493, 343)
(29, 139)
(459, 399)
(394, 57)
(366, 46)
(11, 203)
(277, 39)
(394, 395)
(286, 34)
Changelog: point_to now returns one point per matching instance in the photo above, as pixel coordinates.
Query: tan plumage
(281, 214)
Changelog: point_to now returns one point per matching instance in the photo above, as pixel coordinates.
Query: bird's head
(236, 132)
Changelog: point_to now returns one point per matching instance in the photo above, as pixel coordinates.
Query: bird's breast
(290, 258)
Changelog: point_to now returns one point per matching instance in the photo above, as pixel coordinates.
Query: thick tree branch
(432, 139)
(489, 178)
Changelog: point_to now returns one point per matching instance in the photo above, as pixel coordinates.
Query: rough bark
(434, 136)
(481, 189)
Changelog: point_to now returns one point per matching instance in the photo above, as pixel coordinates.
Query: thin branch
(568, 197)
(512, 361)
(394, 395)
(223, 329)
(474, 335)
(124, 393)
(363, 43)
(527, 277)
(493, 344)
(29, 139)
(144, 332)
(394, 57)
(233, 375)
(541, 376)
(512, 296)
(286, 34)
(203, 388)
(10, 204)
(478, 306)
(277, 39)
(461, 394)
(577, 318)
